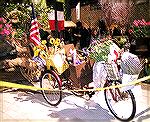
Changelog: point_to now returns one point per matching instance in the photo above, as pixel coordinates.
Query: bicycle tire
(51, 97)
(130, 96)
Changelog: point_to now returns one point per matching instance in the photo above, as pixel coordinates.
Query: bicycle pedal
(90, 94)
(87, 87)
(124, 95)
(86, 97)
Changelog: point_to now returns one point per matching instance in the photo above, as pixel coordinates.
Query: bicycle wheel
(121, 104)
(52, 81)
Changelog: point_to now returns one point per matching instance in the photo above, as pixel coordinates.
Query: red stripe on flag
(34, 32)
(35, 40)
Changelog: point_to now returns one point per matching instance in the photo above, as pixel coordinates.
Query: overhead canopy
(69, 24)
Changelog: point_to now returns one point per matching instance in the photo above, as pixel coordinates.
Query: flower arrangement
(99, 50)
(57, 57)
(56, 45)
(55, 42)
(53, 56)
(140, 28)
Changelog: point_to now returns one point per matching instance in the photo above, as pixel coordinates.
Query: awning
(69, 24)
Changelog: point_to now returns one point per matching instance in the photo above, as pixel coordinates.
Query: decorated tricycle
(60, 68)
(106, 70)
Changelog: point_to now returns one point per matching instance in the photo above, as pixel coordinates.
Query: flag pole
(78, 11)
(56, 21)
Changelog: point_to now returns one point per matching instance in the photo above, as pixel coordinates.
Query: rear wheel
(51, 81)
(121, 104)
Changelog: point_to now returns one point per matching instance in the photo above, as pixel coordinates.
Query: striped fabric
(60, 19)
(34, 30)
(131, 65)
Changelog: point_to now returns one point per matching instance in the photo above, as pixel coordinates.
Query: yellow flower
(52, 40)
(57, 42)
(43, 42)
(36, 52)
(42, 47)
(34, 48)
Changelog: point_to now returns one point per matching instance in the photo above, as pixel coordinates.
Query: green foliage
(120, 40)
(99, 50)
(43, 13)
(20, 15)
(19, 33)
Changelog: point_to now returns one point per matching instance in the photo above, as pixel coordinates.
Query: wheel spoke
(53, 96)
(121, 104)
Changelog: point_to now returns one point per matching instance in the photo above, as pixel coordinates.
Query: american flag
(34, 30)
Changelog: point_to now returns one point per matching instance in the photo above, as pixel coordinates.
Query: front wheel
(51, 81)
(121, 104)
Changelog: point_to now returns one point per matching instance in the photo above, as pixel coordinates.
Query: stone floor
(19, 106)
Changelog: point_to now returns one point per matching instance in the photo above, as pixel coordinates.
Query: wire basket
(130, 67)
(112, 71)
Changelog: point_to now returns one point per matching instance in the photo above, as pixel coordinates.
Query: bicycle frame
(114, 91)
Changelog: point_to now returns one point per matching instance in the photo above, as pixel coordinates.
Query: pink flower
(148, 23)
(7, 32)
(2, 32)
(8, 25)
(144, 22)
(130, 31)
(1, 26)
(1, 19)
(136, 22)
(4, 20)
(141, 22)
